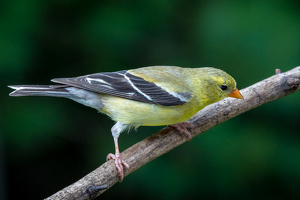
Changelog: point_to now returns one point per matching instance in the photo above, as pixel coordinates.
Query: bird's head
(220, 85)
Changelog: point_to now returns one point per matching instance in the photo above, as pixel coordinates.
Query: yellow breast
(145, 114)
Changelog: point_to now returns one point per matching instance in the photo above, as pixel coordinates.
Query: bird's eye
(223, 87)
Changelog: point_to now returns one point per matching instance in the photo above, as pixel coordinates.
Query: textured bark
(275, 87)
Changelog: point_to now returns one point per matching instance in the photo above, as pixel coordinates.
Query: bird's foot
(119, 162)
(182, 128)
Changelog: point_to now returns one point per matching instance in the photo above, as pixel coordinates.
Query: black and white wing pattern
(124, 84)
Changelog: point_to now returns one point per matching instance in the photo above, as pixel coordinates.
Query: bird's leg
(182, 128)
(119, 162)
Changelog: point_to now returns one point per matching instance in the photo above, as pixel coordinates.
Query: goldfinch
(148, 96)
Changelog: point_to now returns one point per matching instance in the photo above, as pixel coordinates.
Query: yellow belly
(145, 114)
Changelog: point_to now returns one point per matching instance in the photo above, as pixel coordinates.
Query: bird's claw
(187, 124)
(182, 128)
(119, 162)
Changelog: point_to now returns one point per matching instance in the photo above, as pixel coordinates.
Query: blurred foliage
(49, 143)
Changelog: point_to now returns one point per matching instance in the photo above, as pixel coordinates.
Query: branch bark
(105, 176)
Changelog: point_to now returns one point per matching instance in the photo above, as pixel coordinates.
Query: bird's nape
(148, 96)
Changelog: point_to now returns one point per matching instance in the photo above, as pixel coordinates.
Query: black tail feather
(40, 90)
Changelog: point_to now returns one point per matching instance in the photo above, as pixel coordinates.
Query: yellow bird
(148, 96)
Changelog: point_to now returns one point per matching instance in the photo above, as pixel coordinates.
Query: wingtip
(55, 80)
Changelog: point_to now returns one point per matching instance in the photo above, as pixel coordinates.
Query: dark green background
(48, 143)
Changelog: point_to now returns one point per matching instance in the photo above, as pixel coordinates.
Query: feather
(40, 90)
(125, 85)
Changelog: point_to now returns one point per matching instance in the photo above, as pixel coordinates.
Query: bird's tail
(40, 90)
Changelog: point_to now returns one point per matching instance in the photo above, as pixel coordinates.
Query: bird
(147, 96)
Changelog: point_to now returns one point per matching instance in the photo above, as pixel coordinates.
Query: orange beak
(236, 94)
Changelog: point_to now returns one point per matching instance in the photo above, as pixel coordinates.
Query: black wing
(125, 85)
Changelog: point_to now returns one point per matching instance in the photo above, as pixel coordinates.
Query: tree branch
(275, 87)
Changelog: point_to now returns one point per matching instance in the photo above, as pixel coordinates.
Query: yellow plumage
(202, 83)
(149, 96)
